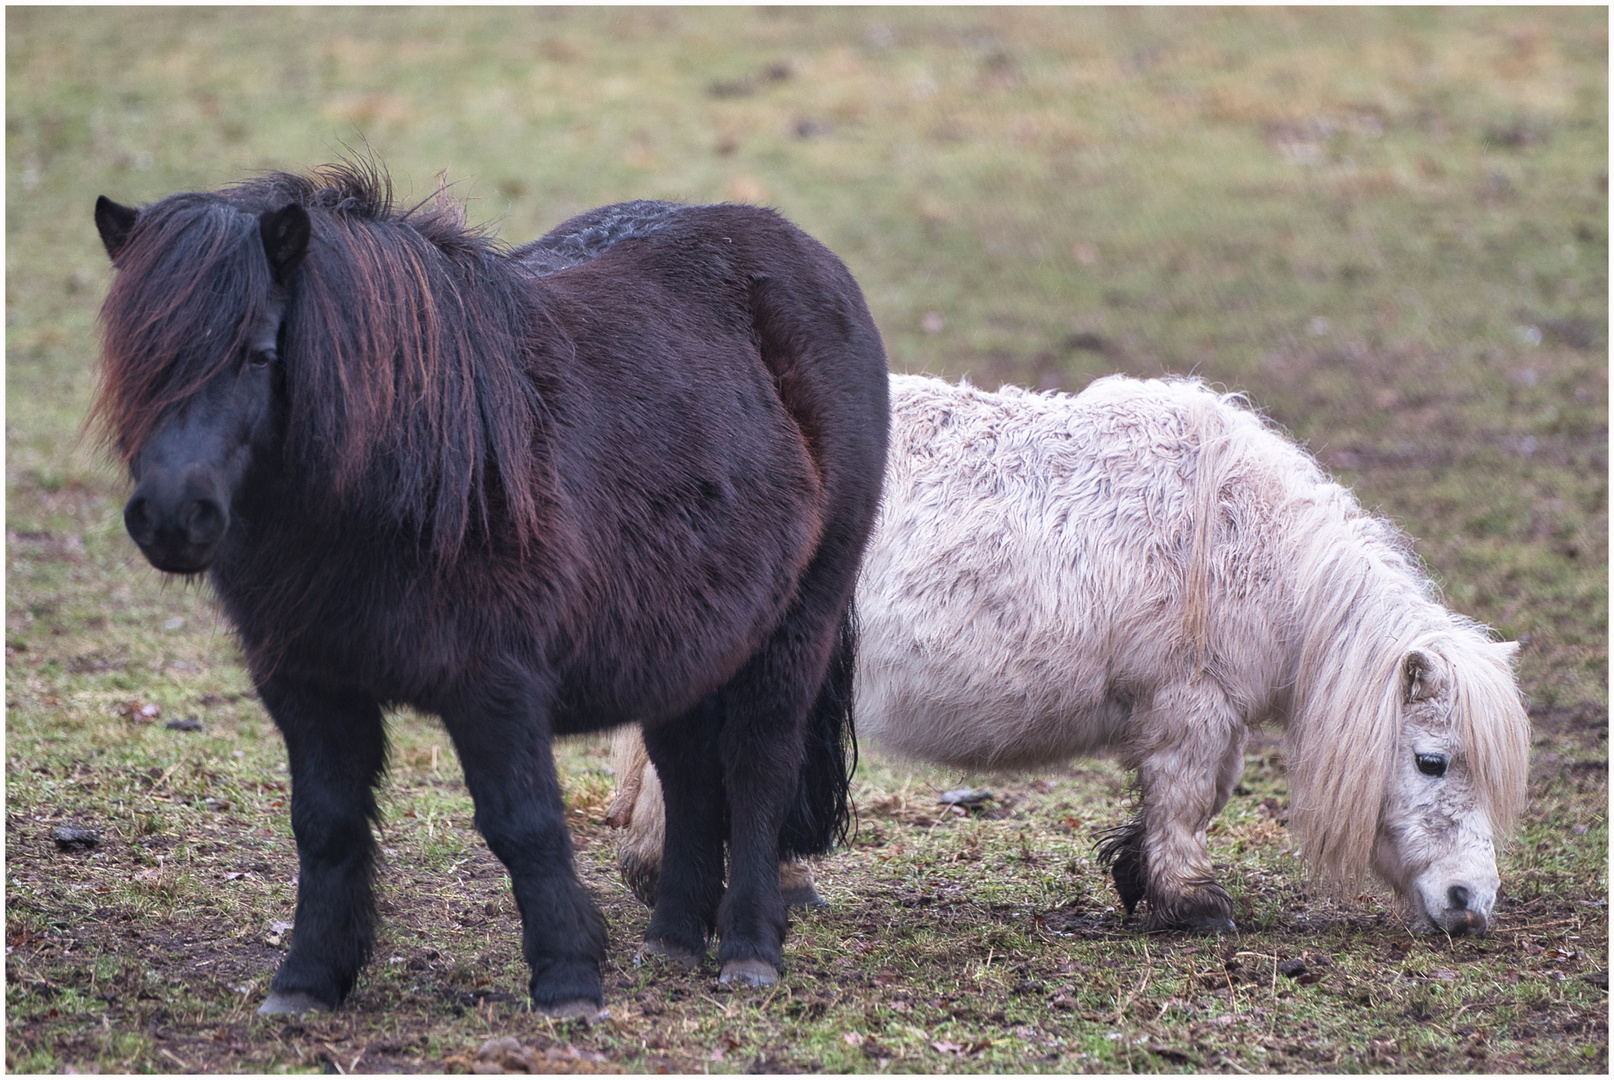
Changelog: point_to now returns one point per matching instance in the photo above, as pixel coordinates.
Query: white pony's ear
(1422, 677)
(1509, 650)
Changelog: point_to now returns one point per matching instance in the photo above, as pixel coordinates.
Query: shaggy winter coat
(1148, 569)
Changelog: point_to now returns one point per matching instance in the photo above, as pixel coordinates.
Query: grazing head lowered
(1440, 745)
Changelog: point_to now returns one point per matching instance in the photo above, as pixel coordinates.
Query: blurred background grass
(1389, 226)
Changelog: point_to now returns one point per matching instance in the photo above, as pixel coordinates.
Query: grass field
(1388, 227)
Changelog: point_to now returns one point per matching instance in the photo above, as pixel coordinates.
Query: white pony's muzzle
(1458, 903)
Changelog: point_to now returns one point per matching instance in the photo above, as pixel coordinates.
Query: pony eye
(1431, 764)
(260, 357)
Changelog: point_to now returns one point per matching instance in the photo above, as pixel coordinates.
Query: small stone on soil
(969, 798)
(187, 723)
(74, 838)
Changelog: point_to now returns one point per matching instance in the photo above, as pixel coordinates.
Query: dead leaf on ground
(508, 1055)
(141, 712)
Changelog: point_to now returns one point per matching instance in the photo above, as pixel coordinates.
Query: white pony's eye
(1431, 764)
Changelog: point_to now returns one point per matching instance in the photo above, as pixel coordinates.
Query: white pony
(1148, 569)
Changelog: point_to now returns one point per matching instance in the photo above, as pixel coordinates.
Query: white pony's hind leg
(638, 810)
(1188, 747)
(796, 883)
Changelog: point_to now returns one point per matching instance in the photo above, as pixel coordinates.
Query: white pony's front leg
(1188, 748)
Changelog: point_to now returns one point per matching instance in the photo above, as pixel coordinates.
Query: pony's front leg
(1190, 751)
(336, 747)
(501, 732)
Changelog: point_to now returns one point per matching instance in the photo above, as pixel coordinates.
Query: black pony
(623, 474)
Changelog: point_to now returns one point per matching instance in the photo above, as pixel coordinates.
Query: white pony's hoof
(754, 972)
(288, 1002)
(803, 896)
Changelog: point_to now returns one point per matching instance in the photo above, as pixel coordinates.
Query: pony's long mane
(1361, 602)
(408, 350)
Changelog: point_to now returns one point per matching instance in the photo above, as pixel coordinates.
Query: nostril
(1458, 896)
(137, 519)
(204, 521)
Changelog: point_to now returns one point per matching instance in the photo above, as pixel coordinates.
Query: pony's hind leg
(689, 881)
(1189, 749)
(797, 886)
(795, 689)
(336, 748)
(638, 810)
(501, 732)
(762, 761)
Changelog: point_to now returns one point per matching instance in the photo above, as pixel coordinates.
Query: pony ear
(1422, 677)
(285, 239)
(114, 222)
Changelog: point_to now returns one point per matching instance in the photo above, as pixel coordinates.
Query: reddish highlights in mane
(161, 343)
(407, 348)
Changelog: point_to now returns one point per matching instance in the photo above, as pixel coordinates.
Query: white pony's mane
(1360, 603)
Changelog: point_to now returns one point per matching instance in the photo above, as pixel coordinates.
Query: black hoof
(289, 1002)
(566, 985)
(577, 1009)
(659, 949)
(1217, 924)
(1206, 909)
(753, 971)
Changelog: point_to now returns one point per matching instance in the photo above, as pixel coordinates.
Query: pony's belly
(921, 718)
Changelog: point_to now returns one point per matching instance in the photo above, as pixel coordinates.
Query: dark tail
(822, 812)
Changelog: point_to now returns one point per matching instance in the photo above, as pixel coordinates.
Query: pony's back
(1043, 561)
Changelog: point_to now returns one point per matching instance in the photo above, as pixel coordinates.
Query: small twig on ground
(1120, 1010)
